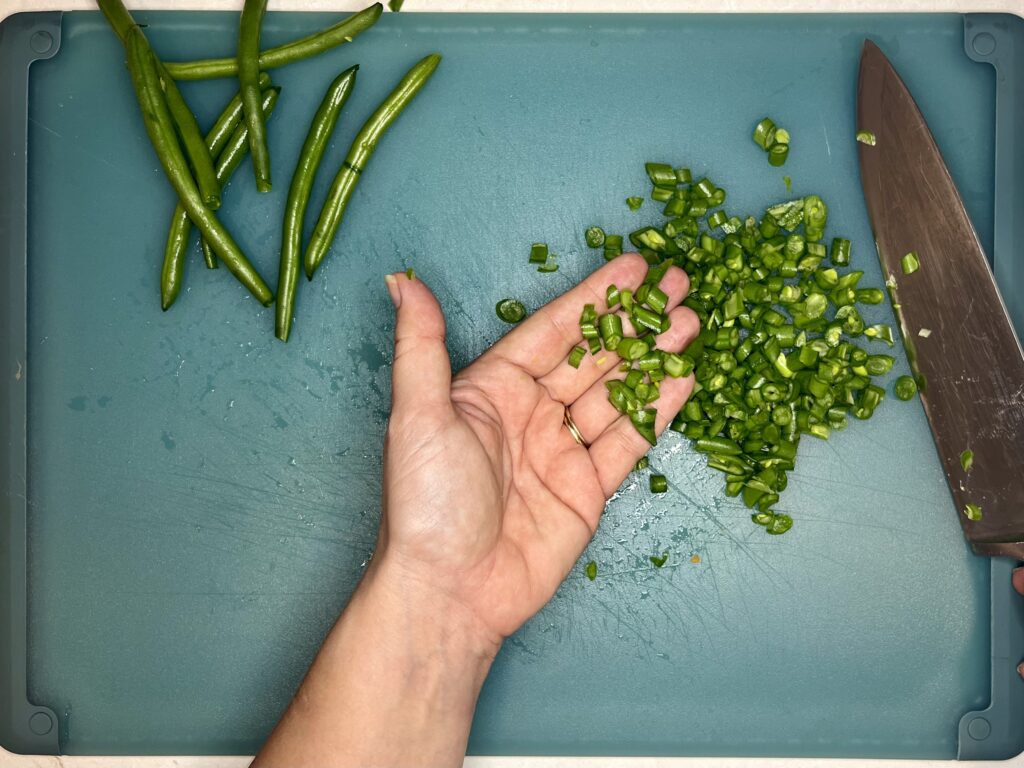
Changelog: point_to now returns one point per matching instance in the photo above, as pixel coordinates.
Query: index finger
(544, 339)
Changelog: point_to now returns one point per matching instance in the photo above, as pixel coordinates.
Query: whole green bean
(225, 125)
(179, 233)
(208, 255)
(343, 32)
(192, 141)
(248, 80)
(160, 128)
(118, 17)
(122, 23)
(320, 131)
(216, 139)
(235, 152)
(358, 155)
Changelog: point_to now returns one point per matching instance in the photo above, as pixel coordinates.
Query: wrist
(395, 683)
(437, 653)
(427, 611)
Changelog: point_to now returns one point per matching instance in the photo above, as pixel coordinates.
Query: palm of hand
(487, 495)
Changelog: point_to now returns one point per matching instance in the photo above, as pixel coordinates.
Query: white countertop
(8, 7)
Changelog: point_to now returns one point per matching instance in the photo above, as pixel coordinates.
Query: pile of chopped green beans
(199, 167)
(777, 356)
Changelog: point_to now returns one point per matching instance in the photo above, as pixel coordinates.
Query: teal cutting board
(202, 499)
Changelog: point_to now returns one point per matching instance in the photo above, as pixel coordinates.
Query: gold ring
(573, 429)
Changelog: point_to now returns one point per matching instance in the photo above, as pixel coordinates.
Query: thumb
(422, 376)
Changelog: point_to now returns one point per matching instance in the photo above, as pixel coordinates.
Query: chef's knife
(968, 361)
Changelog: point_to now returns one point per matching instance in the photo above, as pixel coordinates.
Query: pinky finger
(619, 447)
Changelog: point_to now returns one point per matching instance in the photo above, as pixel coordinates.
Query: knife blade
(970, 368)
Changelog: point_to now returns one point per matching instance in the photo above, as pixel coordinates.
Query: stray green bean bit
(538, 253)
(910, 263)
(634, 203)
(779, 524)
(905, 388)
(866, 137)
(576, 356)
(410, 273)
(642, 464)
(591, 570)
(972, 512)
(511, 311)
(659, 484)
(764, 133)
(880, 332)
(778, 155)
(967, 460)
(657, 561)
(551, 265)
(594, 236)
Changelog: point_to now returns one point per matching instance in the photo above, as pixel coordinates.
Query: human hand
(488, 499)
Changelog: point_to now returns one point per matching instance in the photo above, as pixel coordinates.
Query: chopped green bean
(778, 155)
(972, 512)
(659, 560)
(551, 265)
(866, 137)
(764, 133)
(591, 570)
(880, 332)
(905, 388)
(659, 484)
(511, 311)
(775, 359)
(967, 460)
(595, 237)
(910, 263)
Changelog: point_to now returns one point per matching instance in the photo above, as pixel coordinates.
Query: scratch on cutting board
(17, 373)
(828, 147)
(46, 128)
(93, 155)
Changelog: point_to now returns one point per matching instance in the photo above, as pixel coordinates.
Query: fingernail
(1020, 669)
(392, 285)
